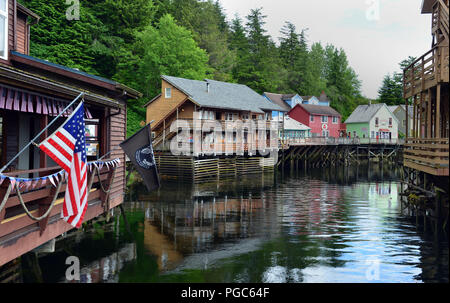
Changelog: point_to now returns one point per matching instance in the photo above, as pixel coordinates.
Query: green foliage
(391, 90)
(136, 41)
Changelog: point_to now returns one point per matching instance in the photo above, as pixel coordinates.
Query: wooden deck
(20, 233)
(316, 141)
(428, 155)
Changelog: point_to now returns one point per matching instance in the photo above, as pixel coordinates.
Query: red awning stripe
(22, 101)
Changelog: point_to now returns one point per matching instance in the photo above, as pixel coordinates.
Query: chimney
(207, 87)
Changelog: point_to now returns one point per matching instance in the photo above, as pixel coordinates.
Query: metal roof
(222, 95)
(319, 110)
(278, 99)
(364, 113)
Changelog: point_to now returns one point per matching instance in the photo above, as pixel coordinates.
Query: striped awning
(23, 101)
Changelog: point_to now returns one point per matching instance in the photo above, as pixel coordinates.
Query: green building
(372, 121)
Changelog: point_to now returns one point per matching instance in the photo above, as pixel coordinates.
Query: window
(229, 117)
(168, 91)
(376, 121)
(335, 120)
(373, 134)
(390, 121)
(354, 134)
(324, 119)
(92, 137)
(404, 123)
(311, 118)
(245, 116)
(325, 133)
(4, 29)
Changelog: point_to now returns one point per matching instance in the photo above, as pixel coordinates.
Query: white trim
(168, 95)
(5, 14)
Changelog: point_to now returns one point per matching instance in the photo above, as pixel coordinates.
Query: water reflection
(323, 225)
(333, 225)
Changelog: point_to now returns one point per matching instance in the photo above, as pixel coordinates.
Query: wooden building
(32, 93)
(374, 121)
(324, 121)
(426, 89)
(426, 152)
(400, 112)
(199, 106)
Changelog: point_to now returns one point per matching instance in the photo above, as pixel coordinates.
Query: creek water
(341, 224)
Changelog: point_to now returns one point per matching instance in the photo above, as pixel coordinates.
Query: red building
(324, 121)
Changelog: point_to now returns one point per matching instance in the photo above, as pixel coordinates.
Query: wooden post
(42, 156)
(438, 111)
(429, 123)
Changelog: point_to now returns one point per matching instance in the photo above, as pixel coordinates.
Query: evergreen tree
(167, 49)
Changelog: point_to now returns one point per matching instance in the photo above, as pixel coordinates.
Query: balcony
(427, 155)
(426, 72)
(43, 204)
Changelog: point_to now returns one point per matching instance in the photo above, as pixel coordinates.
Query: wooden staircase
(440, 23)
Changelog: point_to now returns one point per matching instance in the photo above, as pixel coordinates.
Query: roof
(57, 68)
(292, 124)
(222, 95)
(149, 102)
(278, 99)
(364, 113)
(393, 108)
(319, 110)
(427, 6)
(288, 96)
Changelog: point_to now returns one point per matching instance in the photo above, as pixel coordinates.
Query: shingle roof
(222, 95)
(364, 113)
(278, 99)
(319, 109)
(287, 96)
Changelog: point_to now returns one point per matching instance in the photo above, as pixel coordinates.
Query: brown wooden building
(426, 88)
(32, 93)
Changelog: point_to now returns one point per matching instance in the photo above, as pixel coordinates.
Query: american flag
(67, 147)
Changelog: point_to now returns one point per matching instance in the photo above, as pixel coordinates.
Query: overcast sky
(375, 41)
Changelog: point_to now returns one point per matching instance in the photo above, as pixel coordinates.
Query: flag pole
(115, 148)
(38, 135)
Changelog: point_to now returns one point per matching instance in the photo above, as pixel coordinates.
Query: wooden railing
(337, 141)
(440, 15)
(422, 73)
(427, 155)
(13, 217)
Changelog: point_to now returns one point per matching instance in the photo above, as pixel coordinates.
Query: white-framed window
(311, 118)
(168, 92)
(325, 133)
(324, 119)
(373, 134)
(229, 116)
(245, 116)
(390, 121)
(376, 121)
(4, 29)
(335, 120)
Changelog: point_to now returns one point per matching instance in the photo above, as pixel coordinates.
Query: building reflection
(106, 269)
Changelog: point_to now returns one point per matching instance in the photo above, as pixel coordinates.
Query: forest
(135, 41)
